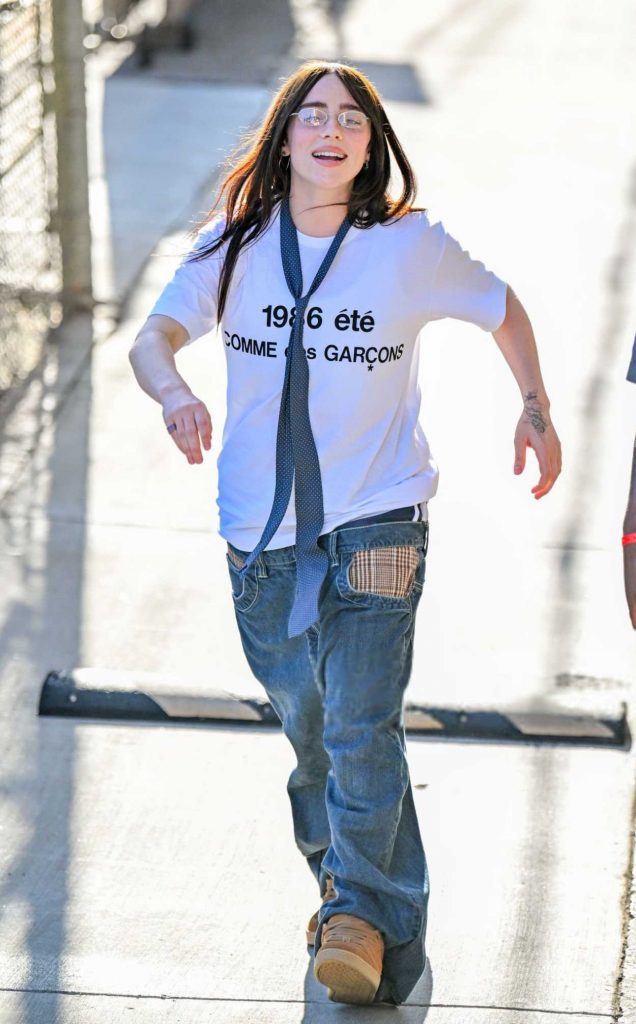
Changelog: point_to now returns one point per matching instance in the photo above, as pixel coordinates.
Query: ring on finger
(172, 428)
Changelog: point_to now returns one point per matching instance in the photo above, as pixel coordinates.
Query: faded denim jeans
(339, 692)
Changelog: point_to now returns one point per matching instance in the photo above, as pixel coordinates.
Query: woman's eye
(311, 117)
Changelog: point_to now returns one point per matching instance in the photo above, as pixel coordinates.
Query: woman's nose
(332, 127)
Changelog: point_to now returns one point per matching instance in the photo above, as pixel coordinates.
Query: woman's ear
(284, 150)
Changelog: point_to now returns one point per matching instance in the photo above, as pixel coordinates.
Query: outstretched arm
(534, 429)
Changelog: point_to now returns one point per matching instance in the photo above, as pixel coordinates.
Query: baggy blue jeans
(338, 690)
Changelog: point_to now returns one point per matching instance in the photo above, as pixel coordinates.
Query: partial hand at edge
(629, 575)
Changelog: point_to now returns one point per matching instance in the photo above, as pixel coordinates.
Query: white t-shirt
(361, 338)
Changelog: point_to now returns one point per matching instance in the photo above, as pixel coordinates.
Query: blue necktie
(296, 455)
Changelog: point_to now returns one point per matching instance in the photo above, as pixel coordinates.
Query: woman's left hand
(534, 430)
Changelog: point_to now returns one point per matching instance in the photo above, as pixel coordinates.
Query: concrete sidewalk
(150, 870)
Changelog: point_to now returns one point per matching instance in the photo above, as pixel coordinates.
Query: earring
(283, 156)
(366, 164)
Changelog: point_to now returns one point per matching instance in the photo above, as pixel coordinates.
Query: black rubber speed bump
(75, 695)
(98, 694)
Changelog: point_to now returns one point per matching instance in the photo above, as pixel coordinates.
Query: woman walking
(321, 282)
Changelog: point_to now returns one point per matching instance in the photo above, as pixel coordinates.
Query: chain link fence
(30, 256)
(44, 230)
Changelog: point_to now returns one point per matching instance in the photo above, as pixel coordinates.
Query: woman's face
(307, 146)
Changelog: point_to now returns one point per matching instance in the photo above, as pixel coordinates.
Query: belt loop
(261, 568)
(333, 546)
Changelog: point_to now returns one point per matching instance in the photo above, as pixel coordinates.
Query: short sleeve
(631, 372)
(190, 297)
(462, 288)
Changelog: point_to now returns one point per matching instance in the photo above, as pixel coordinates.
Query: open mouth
(329, 156)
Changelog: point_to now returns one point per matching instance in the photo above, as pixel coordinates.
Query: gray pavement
(150, 870)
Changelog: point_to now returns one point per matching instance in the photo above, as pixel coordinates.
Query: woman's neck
(317, 213)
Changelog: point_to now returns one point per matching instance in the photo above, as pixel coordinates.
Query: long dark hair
(261, 177)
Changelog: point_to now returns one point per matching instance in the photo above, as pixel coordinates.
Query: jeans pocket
(386, 575)
(245, 586)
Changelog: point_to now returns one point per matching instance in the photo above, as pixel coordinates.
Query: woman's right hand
(193, 423)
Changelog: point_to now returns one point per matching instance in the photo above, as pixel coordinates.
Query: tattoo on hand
(534, 412)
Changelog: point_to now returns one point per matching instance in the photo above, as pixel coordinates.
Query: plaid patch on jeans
(386, 571)
(235, 559)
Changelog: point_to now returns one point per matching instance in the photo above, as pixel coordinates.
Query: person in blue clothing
(629, 524)
(320, 280)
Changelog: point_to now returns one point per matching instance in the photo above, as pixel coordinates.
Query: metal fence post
(72, 156)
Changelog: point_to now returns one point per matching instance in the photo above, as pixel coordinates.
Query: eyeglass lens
(315, 117)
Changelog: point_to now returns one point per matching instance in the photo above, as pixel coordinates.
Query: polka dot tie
(296, 455)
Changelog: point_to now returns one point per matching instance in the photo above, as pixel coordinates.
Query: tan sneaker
(330, 893)
(349, 961)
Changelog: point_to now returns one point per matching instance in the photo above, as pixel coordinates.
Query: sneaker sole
(349, 978)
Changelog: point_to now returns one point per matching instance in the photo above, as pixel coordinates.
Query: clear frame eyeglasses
(317, 117)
